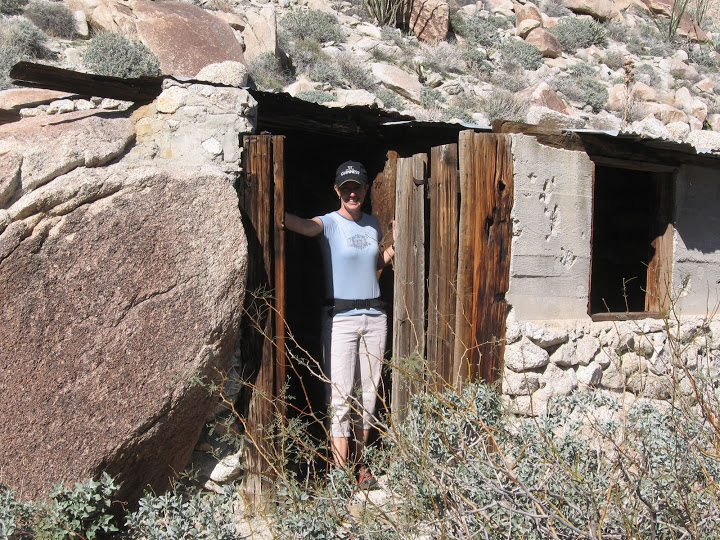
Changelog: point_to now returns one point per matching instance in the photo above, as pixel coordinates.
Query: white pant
(351, 342)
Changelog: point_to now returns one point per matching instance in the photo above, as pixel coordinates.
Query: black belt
(342, 304)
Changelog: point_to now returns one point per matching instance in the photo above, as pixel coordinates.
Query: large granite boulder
(120, 294)
(429, 20)
(53, 145)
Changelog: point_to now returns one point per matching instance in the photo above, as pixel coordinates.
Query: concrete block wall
(696, 250)
(552, 220)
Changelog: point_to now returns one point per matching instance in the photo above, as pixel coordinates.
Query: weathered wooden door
(261, 194)
(451, 265)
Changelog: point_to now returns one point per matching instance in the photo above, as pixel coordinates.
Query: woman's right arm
(306, 227)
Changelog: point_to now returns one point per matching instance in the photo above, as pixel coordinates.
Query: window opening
(630, 249)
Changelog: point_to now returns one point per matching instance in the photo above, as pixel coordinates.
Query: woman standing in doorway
(355, 324)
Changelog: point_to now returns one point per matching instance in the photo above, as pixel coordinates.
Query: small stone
(590, 375)
(518, 384)
(213, 146)
(524, 355)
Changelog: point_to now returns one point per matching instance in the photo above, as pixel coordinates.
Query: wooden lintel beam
(140, 90)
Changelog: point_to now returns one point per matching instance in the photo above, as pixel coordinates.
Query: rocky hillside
(646, 67)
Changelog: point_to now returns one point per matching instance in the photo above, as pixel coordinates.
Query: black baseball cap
(351, 171)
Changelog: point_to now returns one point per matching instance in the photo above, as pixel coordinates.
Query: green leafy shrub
(11, 7)
(53, 18)
(175, 515)
(477, 62)
(83, 512)
(517, 51)
(390, 99)
(266, 72)
(503, 105)
(312, 24)
(114, 55)
(575, 33)
(14, 515)
(315, 96)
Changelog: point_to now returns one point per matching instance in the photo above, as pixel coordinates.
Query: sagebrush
(112, 54)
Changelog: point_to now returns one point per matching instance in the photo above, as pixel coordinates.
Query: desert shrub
(594, 92)
(503, 105)
(617, 31)
(19, 40)
(324, 70)
(53, 18)
(24, 37)
(357, 74)
(11, 7)
(391, 34)
(613, 59)
(476, 61)
(512, 81)
(455, 112)
(575, 33)
(304, 53)
(554, 8)
(647, 74)
(390, 99)
(312, 24)
(647, 40)
(517, 51)
(315, 96)
(430, 99)
(82, 512)
(266, 71)
(704, 57)
(200, 516)
(112, 54)
(442, 57)
(476, 30)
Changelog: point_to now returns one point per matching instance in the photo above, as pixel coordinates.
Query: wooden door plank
(278, 158)
(491, 267)
(442, 276)
(409, 303)
(464, 291)
(255, 193)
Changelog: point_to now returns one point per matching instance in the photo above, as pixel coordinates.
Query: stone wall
(191, 124)
(553, 346)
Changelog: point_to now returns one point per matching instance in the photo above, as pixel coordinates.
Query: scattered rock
(229, 73)
(546, 42)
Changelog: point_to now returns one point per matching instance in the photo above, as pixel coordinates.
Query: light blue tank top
(350, 253)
